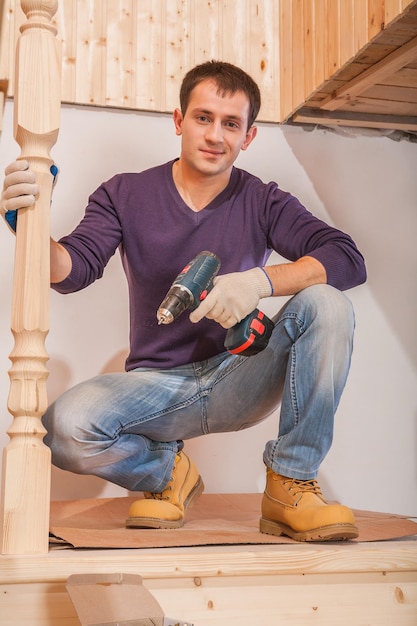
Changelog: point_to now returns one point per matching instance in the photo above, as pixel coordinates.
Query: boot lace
(302, 486)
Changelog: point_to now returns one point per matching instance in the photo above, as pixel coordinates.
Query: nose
(214, 133)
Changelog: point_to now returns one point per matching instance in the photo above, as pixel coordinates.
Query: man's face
(214, 129)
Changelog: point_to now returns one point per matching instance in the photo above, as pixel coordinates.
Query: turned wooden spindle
(26, 459)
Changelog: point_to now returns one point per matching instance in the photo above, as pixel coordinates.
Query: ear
(177, 117)
(250, 136)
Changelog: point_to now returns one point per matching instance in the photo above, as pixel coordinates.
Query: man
(180, 383)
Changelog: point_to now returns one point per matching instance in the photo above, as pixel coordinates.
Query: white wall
(364, 185)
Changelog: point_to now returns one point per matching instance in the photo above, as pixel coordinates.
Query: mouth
(215, 154)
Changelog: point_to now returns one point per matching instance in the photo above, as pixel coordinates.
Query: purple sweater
(144, 216)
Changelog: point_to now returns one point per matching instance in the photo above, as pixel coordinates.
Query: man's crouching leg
(319, 322)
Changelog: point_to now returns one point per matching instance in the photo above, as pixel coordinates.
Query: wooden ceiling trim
(306, 115)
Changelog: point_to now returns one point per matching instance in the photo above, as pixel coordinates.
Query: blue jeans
(127, 427)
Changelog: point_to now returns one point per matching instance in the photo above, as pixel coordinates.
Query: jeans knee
(331, 306)
(65, 441)
(323, 309)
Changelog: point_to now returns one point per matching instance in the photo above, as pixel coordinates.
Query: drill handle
(198, 276)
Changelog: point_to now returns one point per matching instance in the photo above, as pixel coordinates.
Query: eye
(233, 125)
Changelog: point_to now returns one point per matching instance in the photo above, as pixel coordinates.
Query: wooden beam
(345, 118)
(377, 73)
(269, 585)
(26, 460)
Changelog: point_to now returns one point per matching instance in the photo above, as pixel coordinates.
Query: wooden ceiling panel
(381, 80)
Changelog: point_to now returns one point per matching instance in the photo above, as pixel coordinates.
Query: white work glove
(19, 190)
(233, 297)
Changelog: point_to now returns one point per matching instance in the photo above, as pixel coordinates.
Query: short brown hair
(228, 78)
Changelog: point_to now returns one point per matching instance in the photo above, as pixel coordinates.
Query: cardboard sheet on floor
(215, 519)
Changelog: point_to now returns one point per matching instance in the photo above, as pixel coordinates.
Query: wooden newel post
(26, 459)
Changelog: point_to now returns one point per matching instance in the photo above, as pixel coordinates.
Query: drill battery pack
(251, 335)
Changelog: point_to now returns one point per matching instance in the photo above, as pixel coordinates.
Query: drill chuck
(190, 287)
(177, 300)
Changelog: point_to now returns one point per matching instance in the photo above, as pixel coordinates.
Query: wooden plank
(263, 54)
(235, 24)
(396, 38)
(362, 104)
(405, 77)
(374, 74)
(332, 39)
(231, 586)
(306, 115)
(391, 94)
(286, 58)
(205, 26)
(298, 90)
(375, 52)
(360, 21)
(37, 604)
(261, 560)
(350, 71)
(298, 601)
(149, 86)
(347, 47)
(392, 8)
(182, 50)
(309, 44)
(320, 10)
(241, 601)
(91, 52)
(66, 22)
(376, 18)
(121, 55)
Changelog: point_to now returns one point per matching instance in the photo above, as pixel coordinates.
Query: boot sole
(153, 522)
(334, 532)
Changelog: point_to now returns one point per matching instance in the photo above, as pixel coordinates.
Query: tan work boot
(167, 509)
(297, 508)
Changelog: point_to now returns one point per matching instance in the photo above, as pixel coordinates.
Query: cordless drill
(191, 286)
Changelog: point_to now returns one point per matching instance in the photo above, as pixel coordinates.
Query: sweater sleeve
(293, 232)
(96, 238)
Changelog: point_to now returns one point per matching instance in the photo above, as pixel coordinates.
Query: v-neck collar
(213, 204)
